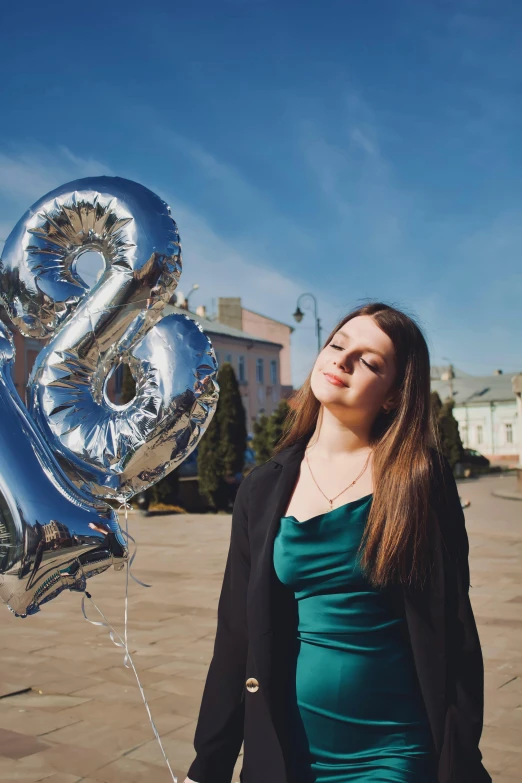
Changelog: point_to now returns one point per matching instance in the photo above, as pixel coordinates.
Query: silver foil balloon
(52, 536)
(106, 450)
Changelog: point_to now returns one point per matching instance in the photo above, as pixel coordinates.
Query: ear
(391, 403)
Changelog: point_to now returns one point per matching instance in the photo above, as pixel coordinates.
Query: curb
(503, 493)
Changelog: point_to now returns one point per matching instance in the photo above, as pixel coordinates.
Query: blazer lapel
(272, 607)
(273, 502)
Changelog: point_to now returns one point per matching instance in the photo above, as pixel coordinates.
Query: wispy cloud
(27, 175)
(393, 244)
(447, 270)
(221, 266)
(373, 211)
(233, 187)
(228, 268)
(393, 249)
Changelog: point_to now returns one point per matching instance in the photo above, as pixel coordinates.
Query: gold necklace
(344, 490)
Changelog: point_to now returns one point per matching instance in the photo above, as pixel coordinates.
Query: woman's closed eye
(375, 369)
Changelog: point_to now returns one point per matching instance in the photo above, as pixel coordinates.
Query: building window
(241, 369)
(260, 371)
(273, 371)
(479, 433)
(228, 358)
(464, 434)
(509, 433)
(217, 357)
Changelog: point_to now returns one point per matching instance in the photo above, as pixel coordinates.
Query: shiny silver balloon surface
(108, 450)
(93, 448)
(52, 536)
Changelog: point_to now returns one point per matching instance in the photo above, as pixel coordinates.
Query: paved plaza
(70, 711)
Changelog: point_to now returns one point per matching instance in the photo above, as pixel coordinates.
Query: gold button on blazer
(252, 684)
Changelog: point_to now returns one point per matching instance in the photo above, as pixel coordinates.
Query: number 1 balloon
(88, 448)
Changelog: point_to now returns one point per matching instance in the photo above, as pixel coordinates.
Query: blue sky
(354, 149)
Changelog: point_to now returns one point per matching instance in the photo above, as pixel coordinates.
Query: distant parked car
(472, 462)
(472, 457)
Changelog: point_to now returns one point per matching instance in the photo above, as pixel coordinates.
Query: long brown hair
(396, 540)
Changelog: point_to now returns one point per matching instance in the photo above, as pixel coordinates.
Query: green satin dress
(357, 713)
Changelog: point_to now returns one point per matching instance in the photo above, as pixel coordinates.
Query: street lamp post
(194, 288)
(298, 315)
(516, 382)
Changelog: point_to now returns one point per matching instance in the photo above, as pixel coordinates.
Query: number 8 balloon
(93, 448)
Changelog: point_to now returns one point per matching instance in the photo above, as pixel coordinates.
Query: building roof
(269, 318)
(476, 388)
(215, 327)
(437, 371)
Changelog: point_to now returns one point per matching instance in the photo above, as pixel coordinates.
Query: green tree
(232, 421)
(268, 431)
(261, 440)
(276, 424)
(210, 466)
(448, 429)
(436, 404)
(221, 451)
(166, 490)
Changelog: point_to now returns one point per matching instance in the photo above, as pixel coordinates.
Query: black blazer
(257, 629)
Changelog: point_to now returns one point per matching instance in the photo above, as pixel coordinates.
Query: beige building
(54, 531)
(258, 348)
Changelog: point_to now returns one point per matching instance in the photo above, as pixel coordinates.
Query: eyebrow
(367, 348)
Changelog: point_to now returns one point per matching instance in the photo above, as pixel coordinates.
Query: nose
(343, 362)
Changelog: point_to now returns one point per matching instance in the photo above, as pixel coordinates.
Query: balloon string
(119, 642)
(128, 571)
(125, 505)
(128, 536)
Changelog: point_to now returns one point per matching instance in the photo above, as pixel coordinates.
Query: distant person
(346, 648)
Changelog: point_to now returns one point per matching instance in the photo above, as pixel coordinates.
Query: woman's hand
(188, 780)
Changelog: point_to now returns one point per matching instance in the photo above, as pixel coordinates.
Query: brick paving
(70, 711)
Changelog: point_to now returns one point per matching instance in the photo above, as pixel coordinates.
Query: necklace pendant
(331, 504)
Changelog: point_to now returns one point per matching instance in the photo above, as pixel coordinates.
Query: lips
(334, 379)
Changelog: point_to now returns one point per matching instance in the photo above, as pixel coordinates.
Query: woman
(346, 648)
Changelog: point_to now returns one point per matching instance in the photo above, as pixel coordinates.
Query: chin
(324, 391)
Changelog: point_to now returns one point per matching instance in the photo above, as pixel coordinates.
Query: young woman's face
(362, 356)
